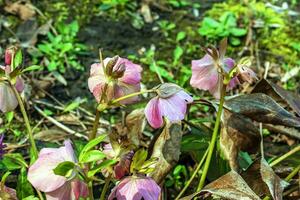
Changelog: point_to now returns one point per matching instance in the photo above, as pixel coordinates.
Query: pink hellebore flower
(171, 102)
(121, 76)
(136, 188)
(42, 177)
(8, 100)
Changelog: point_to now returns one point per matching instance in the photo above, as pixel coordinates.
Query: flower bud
(9, 54)
(109, 68)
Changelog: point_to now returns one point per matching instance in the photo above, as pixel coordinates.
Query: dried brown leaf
(230, 186)
(167, 149)
(24, 9)
(279, 94)
(237, 133)
(262, 108)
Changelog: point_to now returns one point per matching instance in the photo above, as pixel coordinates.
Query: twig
(60, 125)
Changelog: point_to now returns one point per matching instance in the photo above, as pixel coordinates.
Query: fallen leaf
(262, 108)
(279, 94)
(230, 186)
(24, 9)
(238, 133)
(167, 149)
(263, 180)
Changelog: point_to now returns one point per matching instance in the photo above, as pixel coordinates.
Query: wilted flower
(42, 177)
(136, 188)
(171, 102)
(2, 146)
(122, 168)
(121, 76)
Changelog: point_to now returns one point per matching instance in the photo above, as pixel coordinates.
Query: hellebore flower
(2, 146)
(136, 188)
(206, 73)
(8, 99)
(121, 77)
(42, 177)
(122, 168)
(171, 102)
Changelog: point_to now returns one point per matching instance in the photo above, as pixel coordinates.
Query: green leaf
(4, 177)
(180, 36)
(31, 197)
(177, 54)
(14, 161)
(91, 145)
(161, 71)
(9, 116)
(64, 168)
(24, 188)
(18, 59)
(238, 32)
(74, 104)
(101, 166)
(138, 160)
(60, 78)
(31, 68)
(91, 156)
(234, 41)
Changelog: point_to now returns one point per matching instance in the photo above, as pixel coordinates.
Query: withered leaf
(230, 186)
(22, 8)
(167, 149)
(263, 180)
(262, 108)
(237, 133)
(278, 93)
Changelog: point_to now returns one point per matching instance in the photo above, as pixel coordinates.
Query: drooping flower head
(136, 188)
(8, 100)
(2, 146)
(208, 71)
(171, 102)
(119, 75)
(43, 178)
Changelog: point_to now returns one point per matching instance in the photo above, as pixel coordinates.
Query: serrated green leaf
(91, 144)
(91, 156)
(101, 166)
(64, 168)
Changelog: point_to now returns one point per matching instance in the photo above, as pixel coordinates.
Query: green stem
(91, 194)
(213, 140)
(284, 156)
(293, 173)
(105, 187)
(130, 95)
(193, 175)
(95, 125)
(27, 123)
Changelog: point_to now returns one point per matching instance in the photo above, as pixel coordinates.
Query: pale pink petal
(153, 113)
(19, 84)
(41, 174)
(173, 108)
(215, 91)
(204, 73)
(149, 189)
(97, 69)
(62, 193)
(79, 189)
(123, 89)
(185, 96)
(132, 73)
(233, 83)
(228, 64)
(8, 100)
(108, 151)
